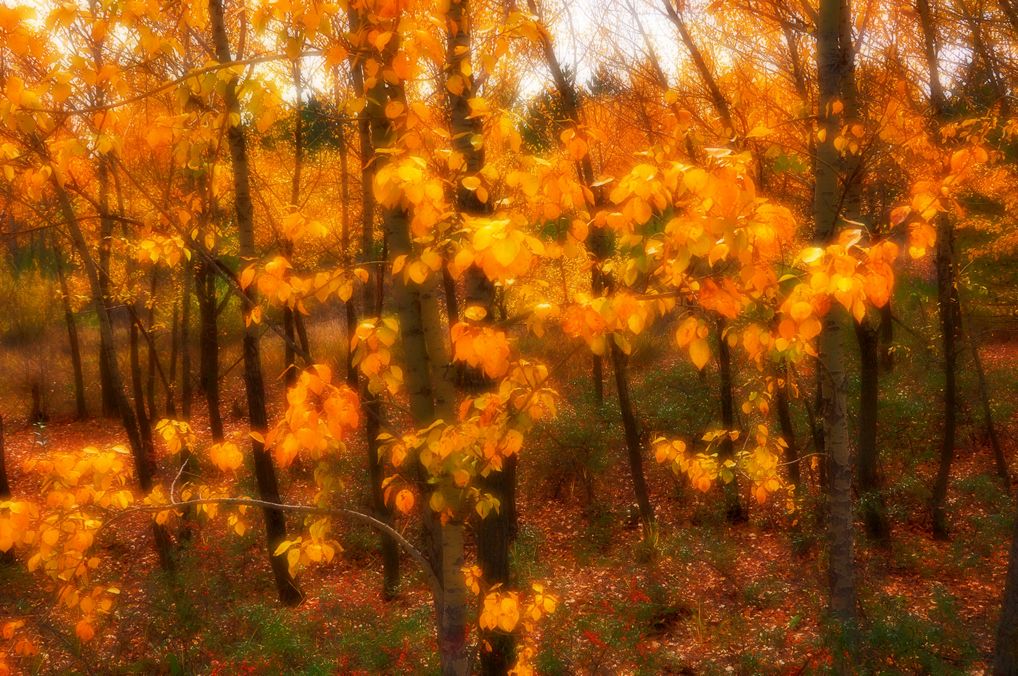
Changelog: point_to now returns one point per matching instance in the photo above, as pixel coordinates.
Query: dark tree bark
(371, 299)
(171, 381)
(831, 367)
(208, 345)
(138, 393)
(495, 532)
(144, 465)
(947, 292)
(1005, 655)
(867, 455)
(151, 353)
(787, 428)
(186, 390)
(106, 379)
(6, 558)
(428, 388)
(634, 447)
(80, 408)
(265, 473)
(734, 510)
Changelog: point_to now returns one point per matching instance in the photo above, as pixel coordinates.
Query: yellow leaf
(404, 501)
(247, 276)
(84, 630)
(699, 352)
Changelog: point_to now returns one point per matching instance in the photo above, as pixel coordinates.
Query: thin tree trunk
(138, 393)
(265, 473)
(81, 410)
(867, 458)
(372, 296)
(208, 346)
(947, 290)
(153, 356)
(1005, 655)
(186, 392)
(171, 379)
(290, 316)
(106, 379)
(144, 463)
(787, 428)
(496, 531)
(999, 459)
(734, 511)
(634, 447)
(6, 558)
(841, 565)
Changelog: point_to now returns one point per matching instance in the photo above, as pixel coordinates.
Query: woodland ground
(714, 599)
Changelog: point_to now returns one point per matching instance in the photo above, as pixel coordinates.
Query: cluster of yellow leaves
(78, 489)
(692, 335)
(615, 317)
(316, 547)
(319, 417)
(500, 246)
(844, 272)
(22, 645)
(169, 250)
(372, 344)
(490, 429)
(509, 612)
(417, 269)
(226, 455)
(176, 434)
(702, 469)
(481, 346)
(406, 182)
(760, 464)
(295, 226)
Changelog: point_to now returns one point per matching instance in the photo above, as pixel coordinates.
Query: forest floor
(713, 598)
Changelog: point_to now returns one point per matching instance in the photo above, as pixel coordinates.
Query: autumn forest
(508, 337)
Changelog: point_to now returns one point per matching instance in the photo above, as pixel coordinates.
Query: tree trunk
(787, 428)
(81, 410)
(868, 459)
(831, 367)
(107, 383)
(186, 393)
(265, 473)
(495, 532)
(144, 464)
(371, 297)
(169, 405)
(947, 308)
(153, 356)
(634, 447)
(947, 290)
(1005, 655)
(734, 511)
(138, 393)
(6, 558)
(428, 388)
(208, 346)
